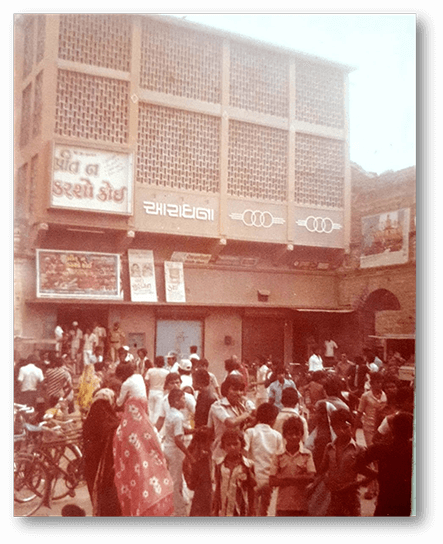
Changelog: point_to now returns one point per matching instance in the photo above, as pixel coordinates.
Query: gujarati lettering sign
(91, 179)
(75, 274)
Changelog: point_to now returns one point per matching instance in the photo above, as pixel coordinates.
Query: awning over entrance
(323, 310)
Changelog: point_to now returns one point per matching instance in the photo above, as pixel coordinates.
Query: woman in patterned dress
(143, 482)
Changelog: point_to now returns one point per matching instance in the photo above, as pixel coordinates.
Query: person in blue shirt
(281, 382)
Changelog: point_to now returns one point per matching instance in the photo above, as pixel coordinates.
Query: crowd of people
(164, 438)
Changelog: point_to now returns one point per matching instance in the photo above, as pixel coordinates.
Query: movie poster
(385, 239)
(142, 275)
(77, 274)
(174, 282)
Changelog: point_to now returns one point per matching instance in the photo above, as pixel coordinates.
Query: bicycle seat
(32, 428)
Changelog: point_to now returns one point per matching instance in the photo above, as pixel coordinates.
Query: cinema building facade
(191, 184)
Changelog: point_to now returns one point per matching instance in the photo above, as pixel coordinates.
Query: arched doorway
(378, 300)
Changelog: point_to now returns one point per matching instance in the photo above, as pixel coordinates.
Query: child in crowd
(198, 472)
(234, 479)
(292, 471)
(289, 400)
(339, 467)
(204, 363)
(173, 381)
(262, 443)
(175, 449)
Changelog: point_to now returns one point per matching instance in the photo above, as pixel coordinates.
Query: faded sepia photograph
(214, 254)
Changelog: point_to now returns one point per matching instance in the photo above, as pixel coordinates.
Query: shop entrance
(86, 317)
(263, 337)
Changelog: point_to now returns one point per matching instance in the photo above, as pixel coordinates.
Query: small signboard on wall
(142, 275)
(174, 282)
(91, 179)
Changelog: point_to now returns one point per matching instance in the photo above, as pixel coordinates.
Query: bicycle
(47, 466)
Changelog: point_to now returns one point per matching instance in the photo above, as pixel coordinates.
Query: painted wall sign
(174, 282)
(317, 227)
(257, 221)
(175, 212)
(385, 239)
(91, 180)
(142, 275)
(75, 274)
(185, 211)
(191, 258)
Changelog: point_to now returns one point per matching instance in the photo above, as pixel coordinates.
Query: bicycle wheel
(69, 460)
(30, 481)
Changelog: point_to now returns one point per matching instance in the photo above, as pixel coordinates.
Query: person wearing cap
(116, 339)
(194, 357)
(171, 362)
(185, 369)
(76, 337)
(30, 378)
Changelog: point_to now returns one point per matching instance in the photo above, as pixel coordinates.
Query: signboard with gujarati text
(77, 274)
(91, 179)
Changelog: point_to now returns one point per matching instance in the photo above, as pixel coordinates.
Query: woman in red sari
(144, 485)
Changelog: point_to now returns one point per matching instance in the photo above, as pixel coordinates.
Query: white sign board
(142, 275)
(91, 179)
(174, 282)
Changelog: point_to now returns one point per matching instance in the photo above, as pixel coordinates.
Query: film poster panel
(385, 239)
(76, 274)
(174, 282)
(142, 275)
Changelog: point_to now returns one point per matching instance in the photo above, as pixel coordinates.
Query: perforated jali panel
(257, 163)
(94, 108)
(98, 40)
(28, 46)
(32, 182)
(259, 81)
(20, 193)
(38, 105)
(178, 149)
(26, 120)
(320, 95)
(319, 171)
(41, 36)
(181, 62)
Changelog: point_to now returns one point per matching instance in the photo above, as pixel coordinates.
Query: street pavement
(82, 499)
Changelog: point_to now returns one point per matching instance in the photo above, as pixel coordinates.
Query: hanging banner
(76, 274)
(174, 282)
(142, 275)
(385, 239)
(91, 179)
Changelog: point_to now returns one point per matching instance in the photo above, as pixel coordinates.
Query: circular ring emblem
(319, 224)
(256, 218)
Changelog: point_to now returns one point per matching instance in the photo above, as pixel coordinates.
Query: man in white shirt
(58, 339)
(30, 377)
(315, 361)
(330, 347)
